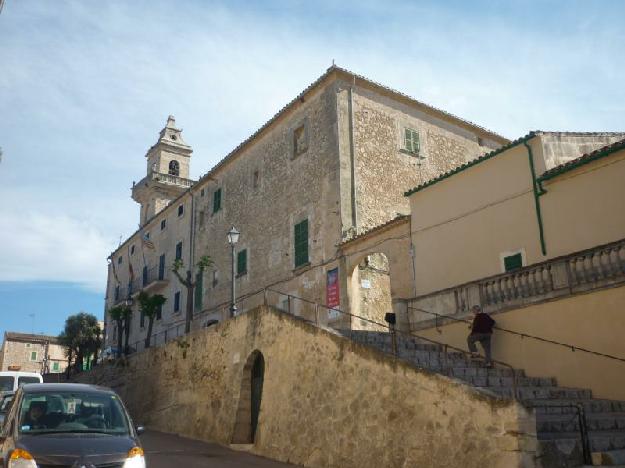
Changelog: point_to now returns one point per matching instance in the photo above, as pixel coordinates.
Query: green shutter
(513, 262)
(242, 262)
(411, 140)
(199, 284)
(301, 243)
(216, 200)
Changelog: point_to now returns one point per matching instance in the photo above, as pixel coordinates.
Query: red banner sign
(333, 298)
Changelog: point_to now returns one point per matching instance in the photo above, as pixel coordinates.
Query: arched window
(174, 168)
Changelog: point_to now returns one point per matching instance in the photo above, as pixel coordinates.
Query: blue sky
(85, 87)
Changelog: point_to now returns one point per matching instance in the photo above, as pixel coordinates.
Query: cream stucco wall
(593, 321)
(585, 207)
(326, 401)
(462, 226)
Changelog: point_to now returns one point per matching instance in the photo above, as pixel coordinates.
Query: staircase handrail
(573, 348)
(445, 346)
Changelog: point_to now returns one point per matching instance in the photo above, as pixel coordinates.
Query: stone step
(594, 406)
(542, 393)
(570, 422)
(600, 441)
(494, 381)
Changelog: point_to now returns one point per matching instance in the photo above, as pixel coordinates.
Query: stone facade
(32, 353)
(326, 401)
(334, 158)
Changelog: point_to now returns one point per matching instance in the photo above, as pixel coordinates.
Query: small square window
(202, 193)
(180, 210)
(120, 260)
(146, 236)
(300, 144)
(163, 224)
(28, 345)
(56, 366)
(513, 262)
(411, 141)
(132, 250)
(177, 302)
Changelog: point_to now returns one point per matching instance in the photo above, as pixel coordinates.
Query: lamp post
(233, 238)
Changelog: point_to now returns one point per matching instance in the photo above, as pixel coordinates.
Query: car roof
(19, 374)
(64, 387)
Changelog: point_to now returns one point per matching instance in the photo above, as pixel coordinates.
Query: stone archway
(250, 399)
(371, 291)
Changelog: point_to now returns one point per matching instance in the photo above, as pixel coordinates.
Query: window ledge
(301, 268)
(411, 153)
(243, 273)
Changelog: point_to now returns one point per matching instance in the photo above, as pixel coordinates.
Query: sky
(85, 87)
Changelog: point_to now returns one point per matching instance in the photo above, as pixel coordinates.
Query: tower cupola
(167, 172)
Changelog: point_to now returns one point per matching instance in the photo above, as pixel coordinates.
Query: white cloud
(37, 246)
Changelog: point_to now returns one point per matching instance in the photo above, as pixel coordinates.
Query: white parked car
(10, 381)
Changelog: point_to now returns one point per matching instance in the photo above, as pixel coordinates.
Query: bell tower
(167, 172)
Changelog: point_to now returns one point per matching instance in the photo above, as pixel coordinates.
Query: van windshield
(6, 383)
(26, 380)
(72, 412)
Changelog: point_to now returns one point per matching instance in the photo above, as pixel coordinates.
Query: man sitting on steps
(481, 330)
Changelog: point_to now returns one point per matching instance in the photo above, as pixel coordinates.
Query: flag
(145, 240)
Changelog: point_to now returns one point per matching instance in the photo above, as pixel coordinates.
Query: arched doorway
(371, 292)
(250, 399)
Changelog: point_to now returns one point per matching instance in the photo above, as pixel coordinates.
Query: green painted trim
(583, 160)
(537, 194)
(470, 164)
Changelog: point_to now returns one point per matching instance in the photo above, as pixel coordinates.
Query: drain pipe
(537, 194)
(352, 155)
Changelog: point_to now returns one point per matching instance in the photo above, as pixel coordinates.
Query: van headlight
(135, 458)
(21, 458)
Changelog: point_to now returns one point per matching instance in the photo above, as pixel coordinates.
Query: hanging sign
(333, 298)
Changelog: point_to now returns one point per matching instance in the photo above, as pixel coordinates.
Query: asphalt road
(170, 451)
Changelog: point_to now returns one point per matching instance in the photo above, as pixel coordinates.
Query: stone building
(32, 353)
(334, 162)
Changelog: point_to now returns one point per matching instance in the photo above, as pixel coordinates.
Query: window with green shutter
(242, 262)
(216, 200)
(513, 262)
(411, 141)
(55, 366)
(301, 243)
(199, 291)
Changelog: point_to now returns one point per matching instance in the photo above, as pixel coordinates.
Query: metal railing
(573, 348)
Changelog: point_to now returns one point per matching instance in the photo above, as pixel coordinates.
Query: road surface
(170, 451)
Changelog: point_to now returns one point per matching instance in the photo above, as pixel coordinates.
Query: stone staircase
(558, 427)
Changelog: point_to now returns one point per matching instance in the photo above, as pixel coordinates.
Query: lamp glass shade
(233, 236)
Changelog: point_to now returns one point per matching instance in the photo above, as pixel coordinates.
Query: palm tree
(81, 338)
(120, 314)
(149, 306)
(204, 263)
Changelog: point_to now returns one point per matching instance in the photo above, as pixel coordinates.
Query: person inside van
(35, 418)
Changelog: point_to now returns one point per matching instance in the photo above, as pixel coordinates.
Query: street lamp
(233, 238)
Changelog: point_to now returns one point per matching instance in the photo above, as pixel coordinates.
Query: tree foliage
(81, 338)
(202, 265)
(149, 307)
(121, 314)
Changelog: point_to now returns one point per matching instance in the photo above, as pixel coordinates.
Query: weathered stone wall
(374, 288)
(326, 401)
(385, 170)
(19, 353)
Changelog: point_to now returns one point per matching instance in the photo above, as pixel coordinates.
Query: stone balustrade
(590, 269)
(166, 178)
